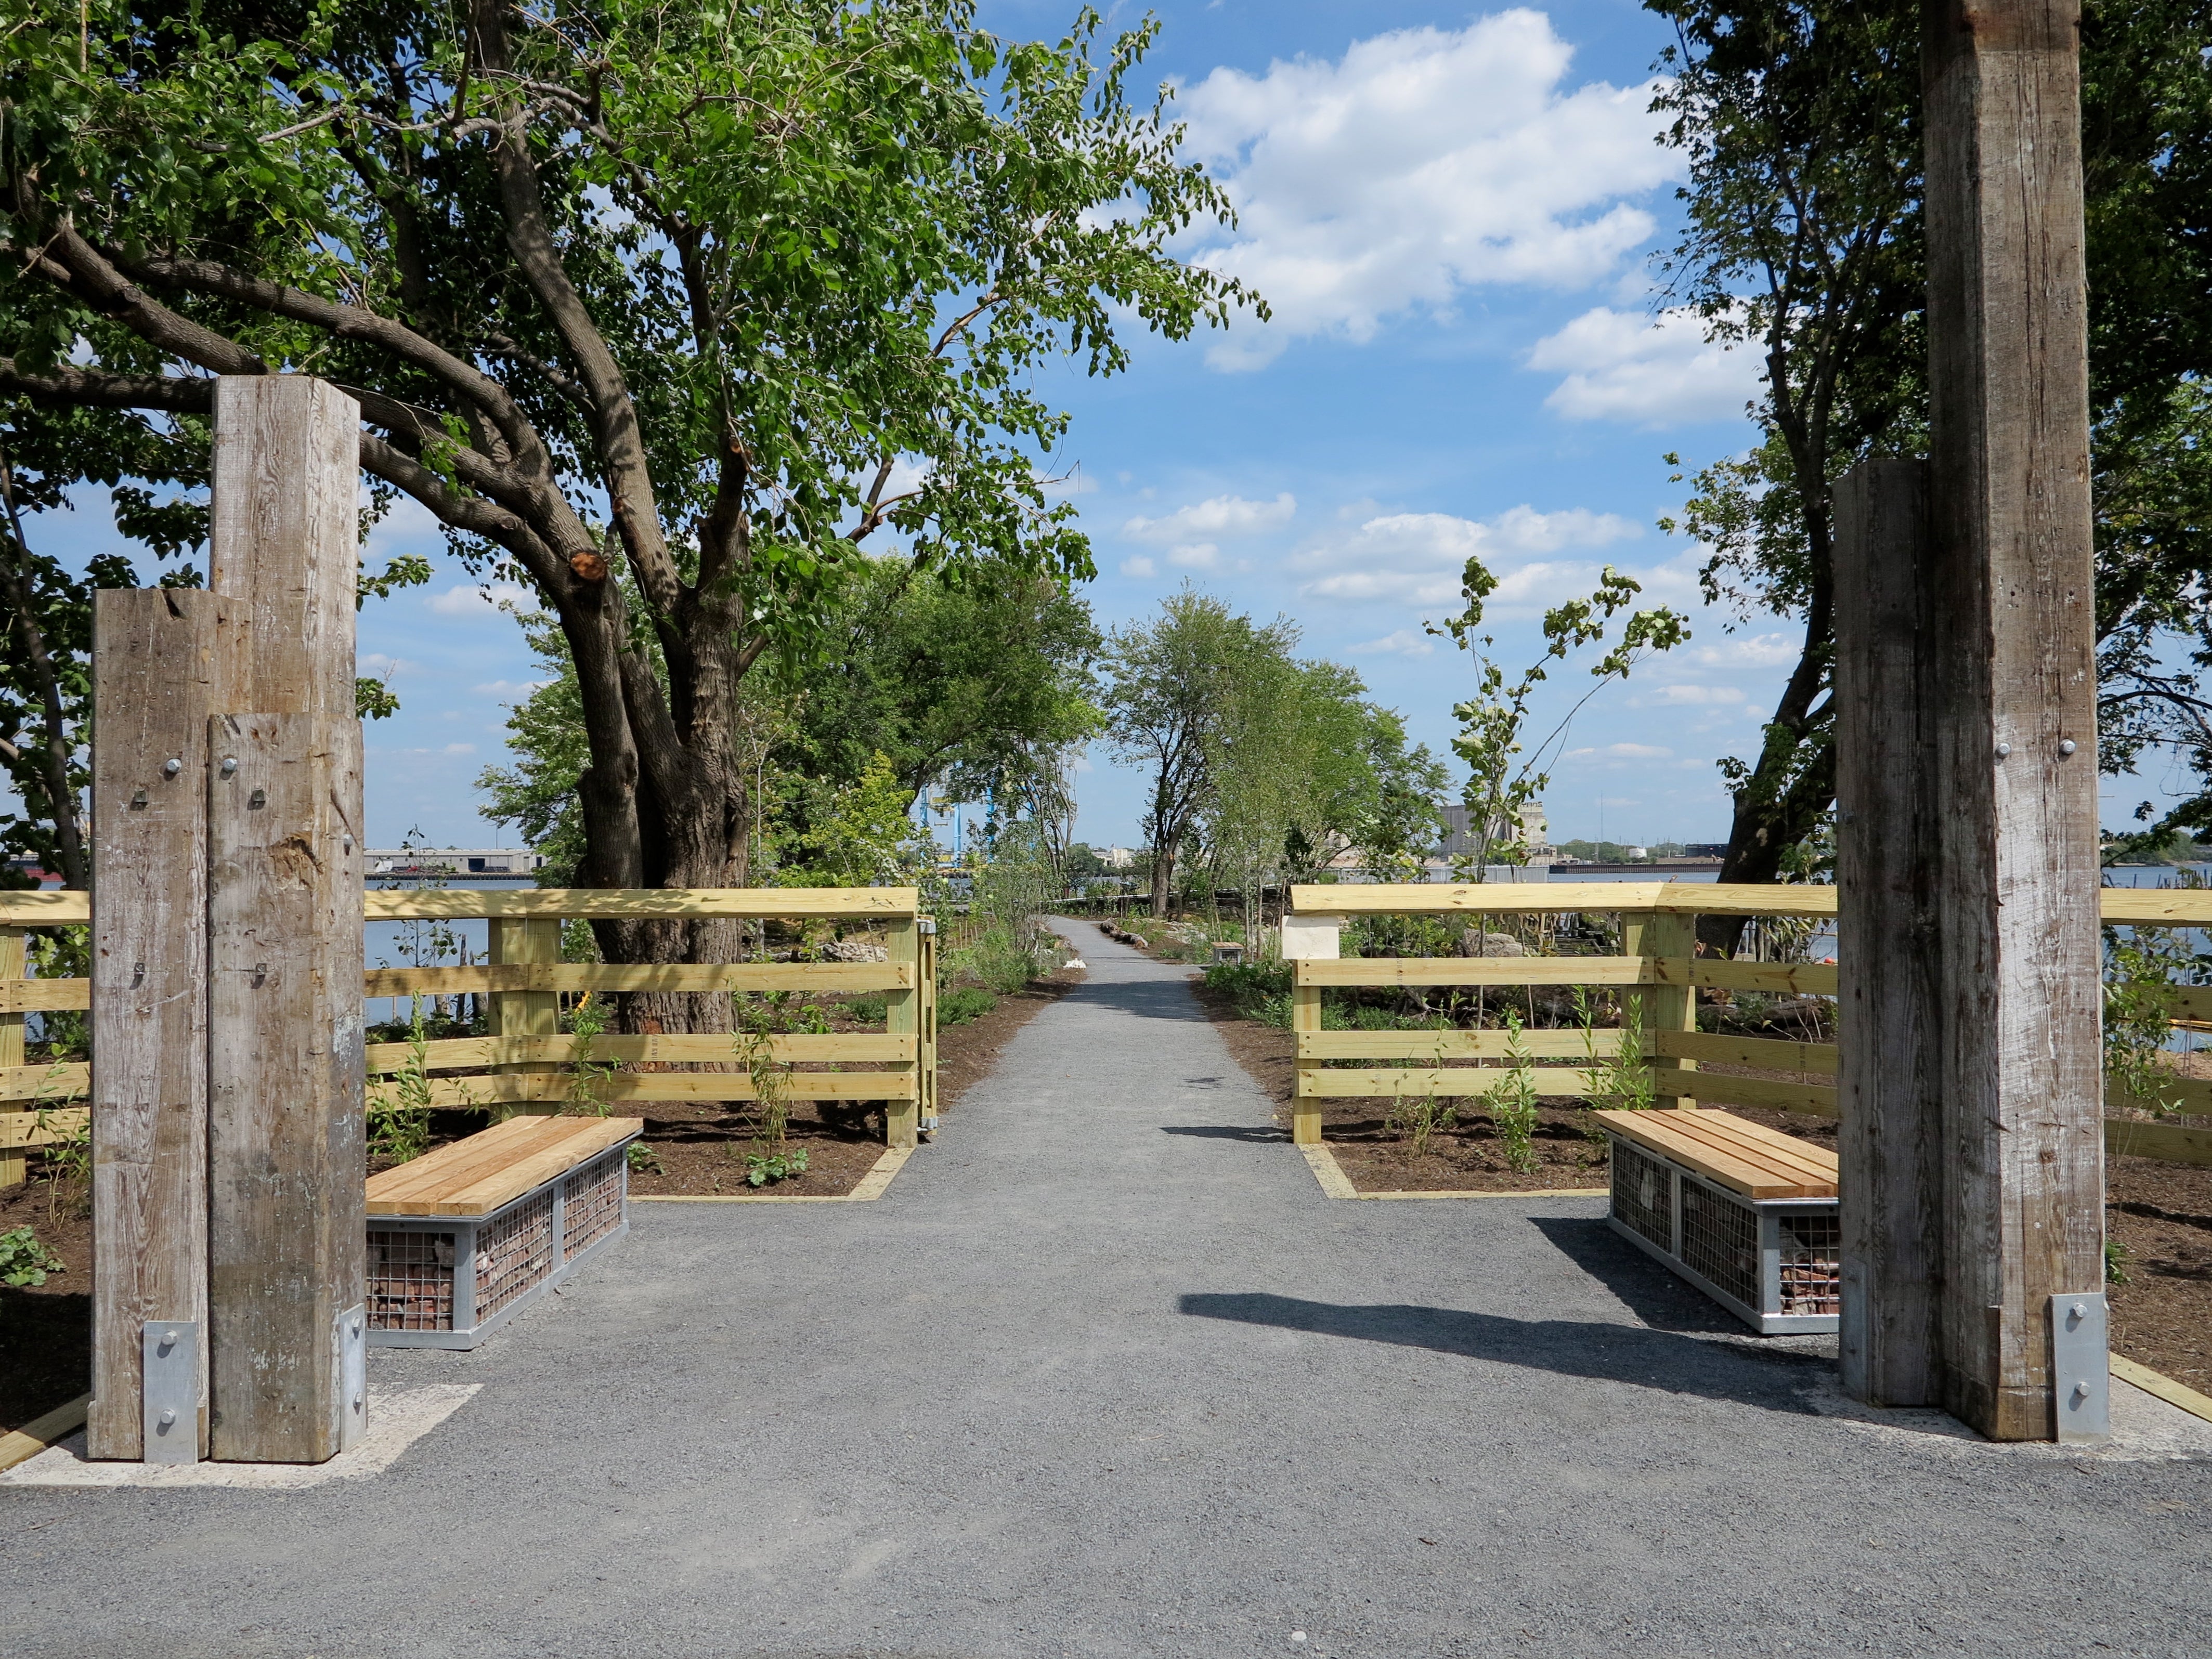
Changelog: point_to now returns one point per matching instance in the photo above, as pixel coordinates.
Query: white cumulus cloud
(1222, 516)
(1644, 371)
(1425, 162)
(1194, 555)
(1622, 751)
(474, 599)
(1417, 558)
(1138, 567)
(1404, 642)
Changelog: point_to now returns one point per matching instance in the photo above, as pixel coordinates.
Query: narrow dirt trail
(1105, 1373)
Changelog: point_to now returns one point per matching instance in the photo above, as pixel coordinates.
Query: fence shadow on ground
(1253, 1133)
(1643, 1358)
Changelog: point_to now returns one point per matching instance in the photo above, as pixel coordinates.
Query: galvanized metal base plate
(170, 1392)
(352, 1337)
(2081, 1368)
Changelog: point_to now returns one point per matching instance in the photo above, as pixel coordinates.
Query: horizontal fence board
(556, 1088)
(25, 1083)
(451, 1052)
(45, 996)
(2171, 1143)
(1473, 970)
(1780, 978)
(56, 909)
(1498, 898)
(2190, 1001)
(24, 1128)
(639, 976)
(462, 904)
(1773, 1053)
(1505, 898)
(1450, 1045)
(2151, 906)
(2192, 1095)
(1396, 1082)
(1713, 1089)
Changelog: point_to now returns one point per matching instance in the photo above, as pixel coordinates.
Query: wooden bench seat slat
(498, 1164)
(1746, 1158)
(464, 1160)
(1750, 1143)
(489, 1194)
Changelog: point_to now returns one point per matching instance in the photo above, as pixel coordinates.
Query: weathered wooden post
(155, 656)
(285, 1134)
(1971, 1073)
(1888, 1082)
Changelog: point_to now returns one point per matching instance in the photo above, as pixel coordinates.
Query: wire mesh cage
(1776, 1264)
(448, 1281)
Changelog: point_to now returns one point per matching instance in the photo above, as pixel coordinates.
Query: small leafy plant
(644, 1159)
(1420, 1116)
(1621, 1080)
(588, 1075)
(764, 1168)
(2141, 970)
(2116, 1262)
(957, 1007)
(399, 1111)
(1513, 1103)
(24, 1261)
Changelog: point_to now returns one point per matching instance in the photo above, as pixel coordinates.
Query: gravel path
(1104, 1373)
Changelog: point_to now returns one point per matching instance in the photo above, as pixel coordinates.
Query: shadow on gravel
(1607, 1353)
(1223, 1132)
(1647, 1290)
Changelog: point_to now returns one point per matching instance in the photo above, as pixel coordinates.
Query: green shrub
(1512, 1102)
(869, 1010)
(958, 1007)
(24, 1261)
(763, 1167)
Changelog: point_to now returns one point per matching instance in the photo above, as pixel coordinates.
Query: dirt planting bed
(46, 1330)
(700, 1150)
(2159, 1215)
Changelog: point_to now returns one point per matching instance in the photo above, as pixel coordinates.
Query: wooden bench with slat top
(1746, 1213)
(461, 1238)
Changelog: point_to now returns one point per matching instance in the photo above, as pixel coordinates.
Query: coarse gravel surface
(1104, 1373)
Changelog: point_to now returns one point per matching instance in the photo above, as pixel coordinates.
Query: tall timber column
(285, 1129)
(2011, 566)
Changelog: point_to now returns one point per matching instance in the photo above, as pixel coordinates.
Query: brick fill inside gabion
(513, 1252)
(592, 1204)
(410, 1280)
(1812, 1263)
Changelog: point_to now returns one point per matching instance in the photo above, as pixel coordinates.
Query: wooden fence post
(154, 657)
(903, 1017)
(14, 1164)
(1667, 1008)
(287, 1153)
(2010, 538)
(1889, 1015)
(526, 1013)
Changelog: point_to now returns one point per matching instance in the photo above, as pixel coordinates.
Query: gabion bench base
(448, 1280)
(1775, 1263)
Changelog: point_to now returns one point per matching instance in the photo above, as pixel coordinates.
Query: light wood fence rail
(1658, 933)
(528, 1063)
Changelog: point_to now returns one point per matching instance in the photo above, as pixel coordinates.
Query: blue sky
(1453, 214)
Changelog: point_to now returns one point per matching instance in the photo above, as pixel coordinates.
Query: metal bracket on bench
(169, 1395)
(2081, 1368)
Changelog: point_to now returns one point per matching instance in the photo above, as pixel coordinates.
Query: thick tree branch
(630, 495)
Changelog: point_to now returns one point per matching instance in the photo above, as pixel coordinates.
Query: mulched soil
(2160, 1213)
(46, 1332)
(702, 1147)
